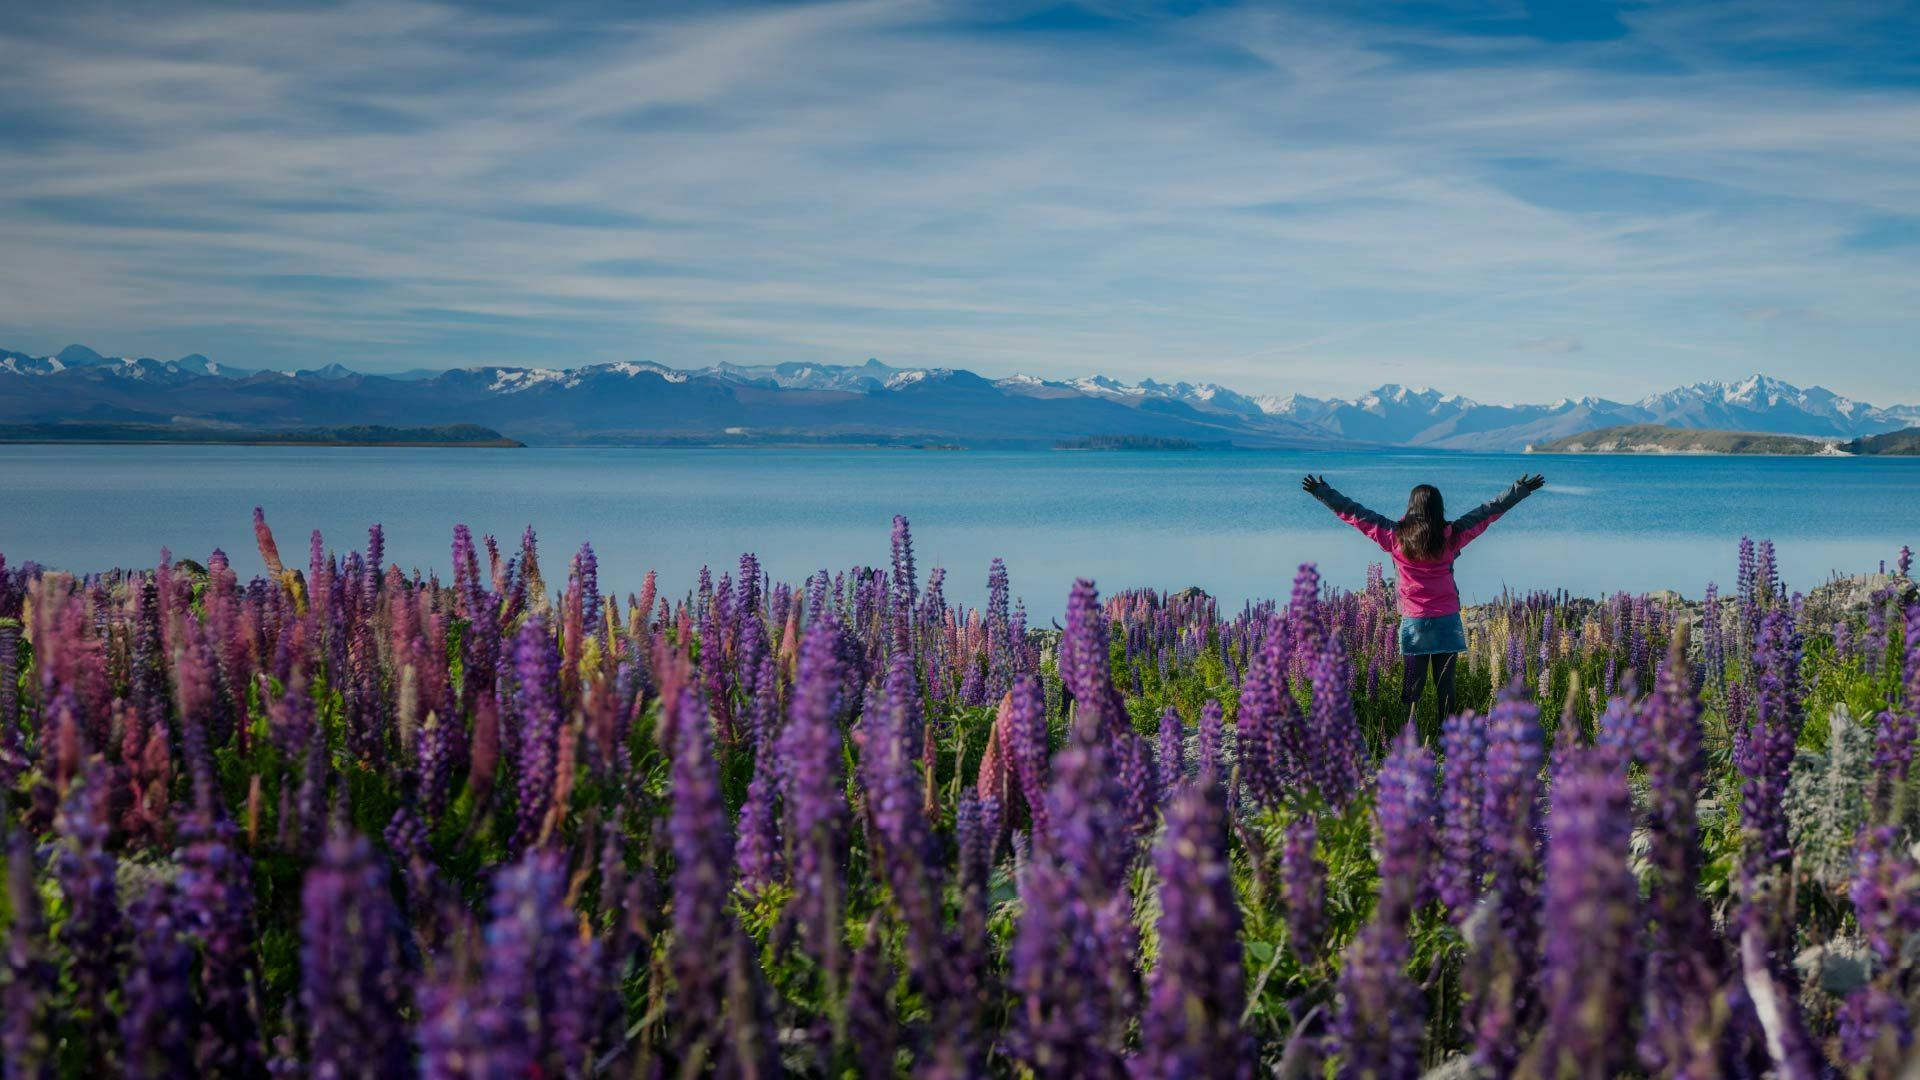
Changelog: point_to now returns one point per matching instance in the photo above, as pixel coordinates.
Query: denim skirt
(1439, 634)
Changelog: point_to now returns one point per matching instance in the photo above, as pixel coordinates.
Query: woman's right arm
(1375, 527)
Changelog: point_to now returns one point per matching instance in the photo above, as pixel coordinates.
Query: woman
(1424, 544)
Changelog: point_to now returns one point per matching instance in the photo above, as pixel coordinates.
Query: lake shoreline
(1233, 523)
(114, 433)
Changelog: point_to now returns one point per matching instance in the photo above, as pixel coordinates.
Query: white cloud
(1279, 200)
(1556, 344)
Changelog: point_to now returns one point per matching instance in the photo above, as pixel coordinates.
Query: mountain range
(641, 402)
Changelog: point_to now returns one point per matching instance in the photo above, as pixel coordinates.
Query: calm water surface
(1234, 522)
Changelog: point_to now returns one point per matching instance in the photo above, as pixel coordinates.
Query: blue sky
(1511, 201)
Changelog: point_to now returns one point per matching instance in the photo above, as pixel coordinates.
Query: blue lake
(1232, 522)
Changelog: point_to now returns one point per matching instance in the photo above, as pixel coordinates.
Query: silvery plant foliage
(1827, 797)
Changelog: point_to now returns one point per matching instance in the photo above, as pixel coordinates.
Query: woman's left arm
(1475, 521)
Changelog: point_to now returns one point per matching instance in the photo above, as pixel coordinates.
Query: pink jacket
(1426, 586)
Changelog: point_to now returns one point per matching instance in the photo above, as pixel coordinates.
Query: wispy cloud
(1554, 344)
(1268, 195)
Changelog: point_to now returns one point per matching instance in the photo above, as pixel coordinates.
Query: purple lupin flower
(439, 747)
(1747, 601)
(1683, 962)
(1713, 637)
(697, 826)
(1590, 936)
(13, 758)
(904, 838)
(1457, 870)
(1027, 747)
(376, 555)
(1904, 564)
(1763, 756)
(1135, 768)
(1876, 1031)
(871, 1028)
(1303, 883)
(532, 970)
(1763, 759)
(92, 932)
(305, 826)
(972, 875)
(1268, 727)
(1210, 740)
(157, 1030)
(1002, 651)
(1073, 953)
(586, 569)
(906, 585)
(1885, 892)
(407, 838)
(351, 967)
(1766, 574)
(536, 666)
(1338, 749)
(1306, 628)
(759, 682)
(1381, 1014)
(814, 800)
(973, 684)
(1875, 647)
(751, 586)
(1900, 726)
(217, 901)
(933, 606)
(1191, 1025)
(457, 1031)
(1500, 1002)
(1059, 1025)
(1171, 767)
(1086, 812)
(1025, 656)
(1876, 1028)
(27, 992)
(1622, 728)
(1085, 663)
(715, 681)
(1403, 817)
(756, 853)
(752, 1046)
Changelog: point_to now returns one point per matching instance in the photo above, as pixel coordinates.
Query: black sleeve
(1506, 501)
(1347, 508)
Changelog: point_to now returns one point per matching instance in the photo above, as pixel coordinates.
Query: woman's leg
(1443, 682)
(1413, 678)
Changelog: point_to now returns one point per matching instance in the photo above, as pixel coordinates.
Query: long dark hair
(1422, 532)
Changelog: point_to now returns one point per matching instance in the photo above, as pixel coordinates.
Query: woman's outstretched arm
(1475, 521)
(1376, 528)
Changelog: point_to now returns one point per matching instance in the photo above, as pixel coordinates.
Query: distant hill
(1127, 442)
(644, 403)
(1903, 442)
(1667, 439)
(460, 435)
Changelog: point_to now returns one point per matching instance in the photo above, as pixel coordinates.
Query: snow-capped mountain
(1203, 397)
(1388, 414)
(128, 367)
(645, 401)
(1760, 403)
